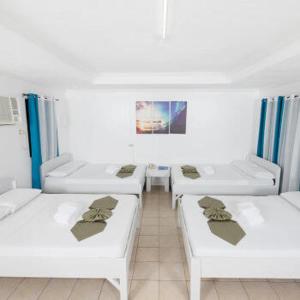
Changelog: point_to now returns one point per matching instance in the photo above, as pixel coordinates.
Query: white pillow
(16, 198)
(112, 169)
(292, 197)
(66, 169)
(253, 170)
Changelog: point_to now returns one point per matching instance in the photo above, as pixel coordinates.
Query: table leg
(148, 184)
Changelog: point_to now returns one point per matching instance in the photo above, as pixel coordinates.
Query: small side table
(163, 174)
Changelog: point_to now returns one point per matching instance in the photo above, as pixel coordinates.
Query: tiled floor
(158, 270)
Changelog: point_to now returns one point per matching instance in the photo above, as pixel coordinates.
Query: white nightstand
(163, 174)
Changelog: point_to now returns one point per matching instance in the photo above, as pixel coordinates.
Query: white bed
(229, 179)
(34, 245)
(90, 178)
(269, 250)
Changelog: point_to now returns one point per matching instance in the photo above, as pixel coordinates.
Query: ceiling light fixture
(165, 19)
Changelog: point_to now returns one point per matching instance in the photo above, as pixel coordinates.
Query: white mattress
(227, 179)
(32, 231)
(92, 178)
(278, 236)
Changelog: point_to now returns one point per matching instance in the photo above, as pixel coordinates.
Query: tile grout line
(244, 288)
(15, 288)
(43, 289)
(73, 286)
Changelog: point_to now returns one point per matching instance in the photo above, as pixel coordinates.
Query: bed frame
(233, 267)
(115, 270)
(271, 167)
(64, 158)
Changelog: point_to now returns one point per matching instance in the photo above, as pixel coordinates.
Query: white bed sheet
(227, 179)
(32, 230)
(92, 178)
(278, 236)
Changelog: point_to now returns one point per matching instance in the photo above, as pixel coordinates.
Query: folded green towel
(126, 171)
(189, 169)
(107, 202)
(96, 215)
(93, 221)
(220, 223)
(192, 175)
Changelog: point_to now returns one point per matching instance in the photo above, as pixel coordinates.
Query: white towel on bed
(67, 213)
(112, 169)
(250, 213)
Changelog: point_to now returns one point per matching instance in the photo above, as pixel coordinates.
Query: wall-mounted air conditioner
(9, 111)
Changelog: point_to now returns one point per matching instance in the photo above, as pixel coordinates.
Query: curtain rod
(42, 97)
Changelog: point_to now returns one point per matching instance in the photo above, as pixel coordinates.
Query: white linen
(93, 178)
(32, 231)
(67, 213)
(251, 213)
(16, 198)
(4, 211)
(209, 170)
(227, 179)
(278, 236)
(112, 169)
(252, 169)
(292, 197)
(66, 169)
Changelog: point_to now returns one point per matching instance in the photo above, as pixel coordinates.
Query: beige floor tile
(259, 290)
(167, 230)
(171, 271)
(148, 221)
(151, 213)
(208, 290)
(109, 292)
(149, 230)
(167, 213)
(230, 290)
(8, 285)
(170, 255)
(148, 241)
(59, 289)
(170, 290)
(29, 289)
(144, 290)
(169, 241)
(147, 254)
(168, 221)
(87, 289)
(286, 290)
(146, 270)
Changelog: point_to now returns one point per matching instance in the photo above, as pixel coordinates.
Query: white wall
(99, 125)
(283, 90)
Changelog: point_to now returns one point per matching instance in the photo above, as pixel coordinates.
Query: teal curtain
(34, 138)
(262, 124)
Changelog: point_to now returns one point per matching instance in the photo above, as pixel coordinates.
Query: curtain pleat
(261, 134)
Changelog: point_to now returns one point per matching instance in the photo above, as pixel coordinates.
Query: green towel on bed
(220, 223)
(190, 172)
(93, 220)
(126, 171)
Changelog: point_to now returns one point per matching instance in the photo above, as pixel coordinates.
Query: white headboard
(7, 184)
(52, 164)
(268, 165)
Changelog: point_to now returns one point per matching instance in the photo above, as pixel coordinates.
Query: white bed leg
(141, 199)
(173, 200)
(124, 288)
(195, 285)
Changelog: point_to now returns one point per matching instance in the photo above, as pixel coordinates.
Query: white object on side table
(155, 172)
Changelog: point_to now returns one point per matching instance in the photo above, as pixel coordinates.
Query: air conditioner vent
(9, 111)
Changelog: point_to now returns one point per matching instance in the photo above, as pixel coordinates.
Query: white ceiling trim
(193, 78)
(278, 57)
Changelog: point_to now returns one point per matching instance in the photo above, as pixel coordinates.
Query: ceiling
(72, 43)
